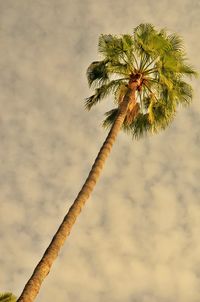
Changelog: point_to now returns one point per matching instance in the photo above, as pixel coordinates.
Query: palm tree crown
(158, 61)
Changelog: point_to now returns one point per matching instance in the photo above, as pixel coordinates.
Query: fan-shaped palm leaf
(97, 73)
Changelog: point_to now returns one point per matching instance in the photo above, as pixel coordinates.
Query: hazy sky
(138, 236)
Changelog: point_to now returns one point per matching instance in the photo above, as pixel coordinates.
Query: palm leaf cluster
(159, 58)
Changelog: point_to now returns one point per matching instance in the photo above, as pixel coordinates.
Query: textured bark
(33, 285)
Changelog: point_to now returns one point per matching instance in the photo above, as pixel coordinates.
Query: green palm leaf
(7, 297)
(102, 92)
(97, 73)
(139, 127)
(110, 118)
(176, 42)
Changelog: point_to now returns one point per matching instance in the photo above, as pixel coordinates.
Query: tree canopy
(159, 60)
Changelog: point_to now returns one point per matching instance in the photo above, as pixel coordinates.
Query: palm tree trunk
(33, 285)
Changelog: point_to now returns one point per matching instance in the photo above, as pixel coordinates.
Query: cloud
(138, 237)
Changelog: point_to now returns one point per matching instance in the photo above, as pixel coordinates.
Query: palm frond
(118, 68)
(175, 63)
(7, 297)
(110, 118)
(161, 117)
(139, 127)
(182, 93)
(118, 51)
(188, 70)
(102, 92)
(143, 31)
(110, 47)
(128, 48)
(97, 73)
(176, 42)
(127, 41)
(150, 42)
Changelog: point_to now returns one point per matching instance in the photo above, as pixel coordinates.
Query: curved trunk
(32, 287)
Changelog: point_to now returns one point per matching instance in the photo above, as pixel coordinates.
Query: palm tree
(146, 73)
(7, 297)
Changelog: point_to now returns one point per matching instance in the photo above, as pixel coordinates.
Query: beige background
(138, 237)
